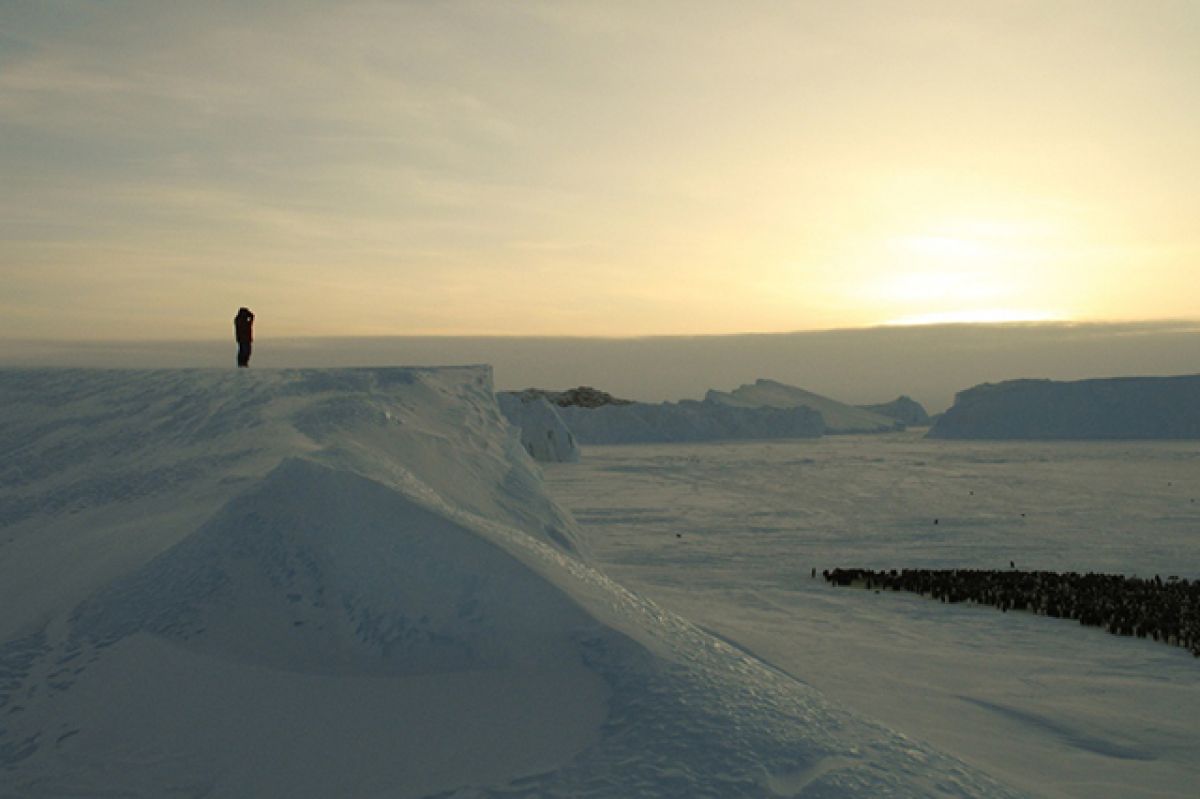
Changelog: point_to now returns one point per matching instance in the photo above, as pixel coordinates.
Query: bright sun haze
(607, 169)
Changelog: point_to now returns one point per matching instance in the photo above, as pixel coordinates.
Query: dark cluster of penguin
(1165, 610)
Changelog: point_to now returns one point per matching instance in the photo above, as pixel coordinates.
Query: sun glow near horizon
(964, 271)
(977, 317)
(541, 169)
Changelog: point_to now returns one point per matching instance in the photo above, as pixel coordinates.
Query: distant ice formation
(839, 417)
(597, 417)
(765, 410)
(903, 409)
(583, 396)
(1112, 408)
(315, 583)
(687, 420)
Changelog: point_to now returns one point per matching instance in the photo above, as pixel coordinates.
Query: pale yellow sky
(606, 168)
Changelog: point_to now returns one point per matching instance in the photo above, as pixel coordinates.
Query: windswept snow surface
(348, 583)
(728, 535)
(839, 417)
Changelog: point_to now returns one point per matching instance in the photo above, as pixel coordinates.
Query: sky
(593, 168)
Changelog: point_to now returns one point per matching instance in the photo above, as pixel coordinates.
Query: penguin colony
(1167, 611)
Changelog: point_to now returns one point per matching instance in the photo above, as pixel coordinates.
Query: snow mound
(839, 417)
(1112, 408)
(543, 433)
(350, 583)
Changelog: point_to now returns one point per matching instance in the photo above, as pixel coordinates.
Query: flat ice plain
(726, 535)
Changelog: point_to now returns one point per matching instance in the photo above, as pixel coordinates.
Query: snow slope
(839, 417)
(1112, 408)
(352, 583)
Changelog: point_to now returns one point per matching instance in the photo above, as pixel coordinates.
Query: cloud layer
(392, 167)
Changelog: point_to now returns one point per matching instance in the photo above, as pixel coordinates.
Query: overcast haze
(610, 168)
(929, 363)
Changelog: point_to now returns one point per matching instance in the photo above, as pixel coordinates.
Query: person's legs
(243, 357)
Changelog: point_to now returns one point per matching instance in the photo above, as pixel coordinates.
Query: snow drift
(350, 582)
(1112, 408)
(839, 417)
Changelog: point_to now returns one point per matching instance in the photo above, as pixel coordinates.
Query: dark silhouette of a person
(243, 331)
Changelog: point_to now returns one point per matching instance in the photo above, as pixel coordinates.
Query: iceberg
(1105, 408)
(839, 417)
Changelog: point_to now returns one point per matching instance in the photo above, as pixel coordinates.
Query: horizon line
(1175, 324)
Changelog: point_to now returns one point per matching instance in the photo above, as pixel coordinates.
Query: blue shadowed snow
(357, 576)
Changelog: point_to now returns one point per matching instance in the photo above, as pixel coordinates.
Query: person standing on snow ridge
(243, 331)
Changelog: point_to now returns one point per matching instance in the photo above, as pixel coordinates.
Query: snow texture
(839, 417)
(1114, 408)
(543, 433)
(351, 582)
(729, 534)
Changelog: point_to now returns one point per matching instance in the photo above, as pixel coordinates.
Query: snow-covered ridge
(115, 464)
(1111, 408)
(350, 582)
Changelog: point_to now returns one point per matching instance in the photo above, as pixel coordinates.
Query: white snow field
(727, 534)
(351, 583)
